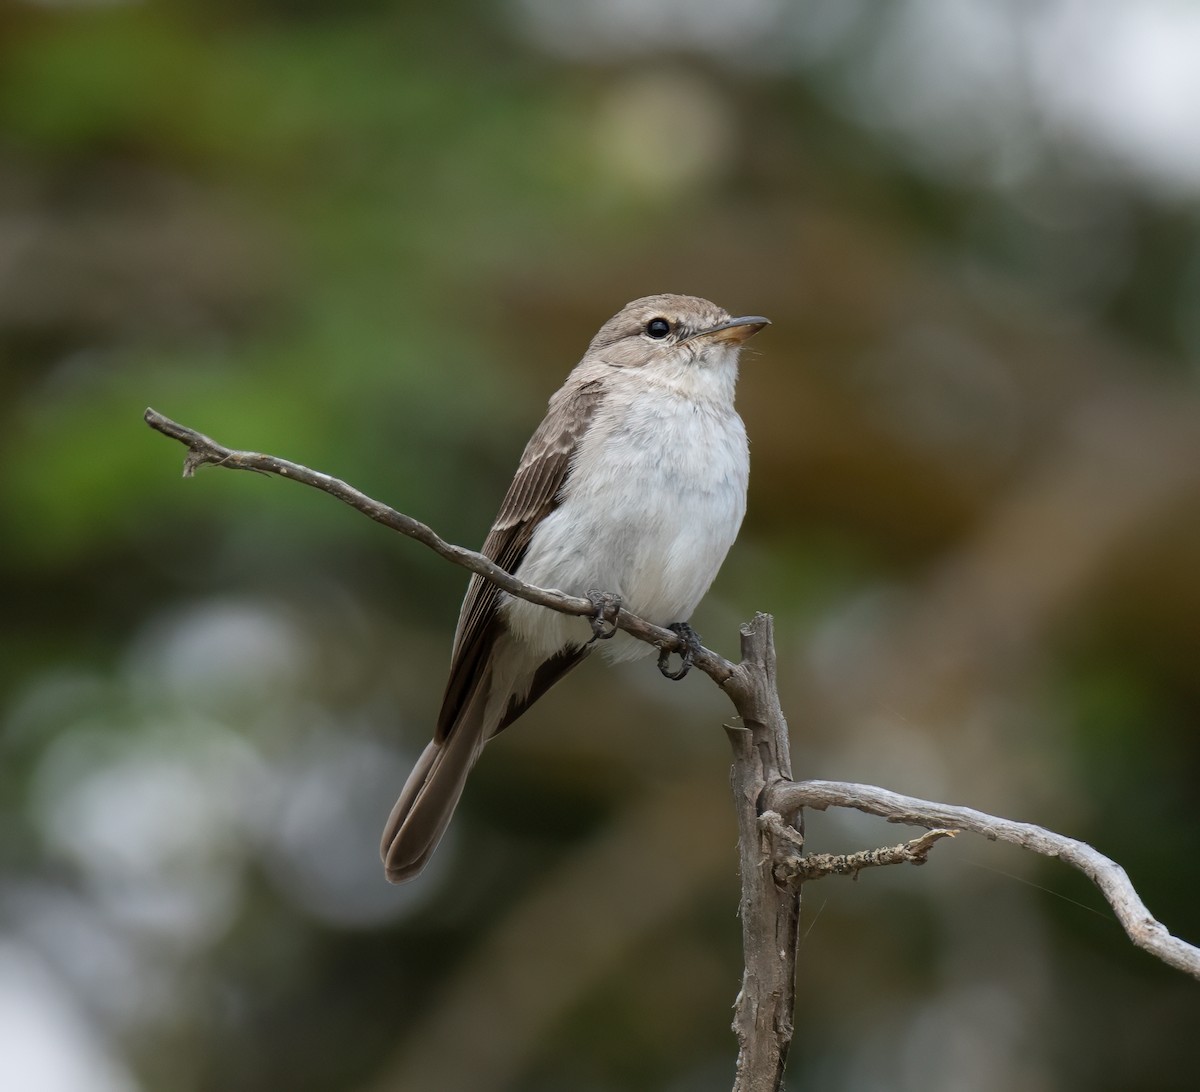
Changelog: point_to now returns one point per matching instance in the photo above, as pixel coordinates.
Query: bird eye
(658, 328)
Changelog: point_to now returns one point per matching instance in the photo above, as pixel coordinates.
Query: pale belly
(648, 521)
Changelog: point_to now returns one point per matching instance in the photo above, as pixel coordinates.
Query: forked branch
(1142, 927)
(765, 796)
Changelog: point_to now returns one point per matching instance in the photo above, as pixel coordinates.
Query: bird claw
(687, 655)
(604, 622)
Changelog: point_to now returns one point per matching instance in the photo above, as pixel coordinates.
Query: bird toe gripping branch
(604, 622)
(687, 654)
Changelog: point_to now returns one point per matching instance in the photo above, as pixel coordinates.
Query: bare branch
(770, 911)
(770, 914)
(765, 797)
(1142, 927)
(204, 451)
(791, 868)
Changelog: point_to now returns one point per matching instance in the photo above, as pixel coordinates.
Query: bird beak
(736, 330)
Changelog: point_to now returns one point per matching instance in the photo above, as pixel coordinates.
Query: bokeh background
(373, 237)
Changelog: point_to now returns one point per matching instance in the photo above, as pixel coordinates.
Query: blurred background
(373, 237)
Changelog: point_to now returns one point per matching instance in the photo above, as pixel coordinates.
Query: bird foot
(604, 622)
(687, 655)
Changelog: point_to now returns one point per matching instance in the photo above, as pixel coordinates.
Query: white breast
(655, 498)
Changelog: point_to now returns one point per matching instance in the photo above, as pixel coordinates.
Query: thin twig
(1142, 927)
(205, 451)
(791, 868)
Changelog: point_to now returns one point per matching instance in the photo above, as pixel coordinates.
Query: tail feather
(427, 801)
(501, 689)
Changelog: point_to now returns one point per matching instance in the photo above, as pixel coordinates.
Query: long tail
(427, 801)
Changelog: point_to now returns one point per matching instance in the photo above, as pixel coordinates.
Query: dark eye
(658, 328)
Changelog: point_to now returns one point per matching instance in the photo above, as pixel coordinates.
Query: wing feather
(535, 492)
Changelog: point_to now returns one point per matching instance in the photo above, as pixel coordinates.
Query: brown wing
(535, 492)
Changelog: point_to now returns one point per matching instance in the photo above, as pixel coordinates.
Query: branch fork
(773, 868)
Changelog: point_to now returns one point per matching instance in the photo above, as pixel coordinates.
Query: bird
(630, 492)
